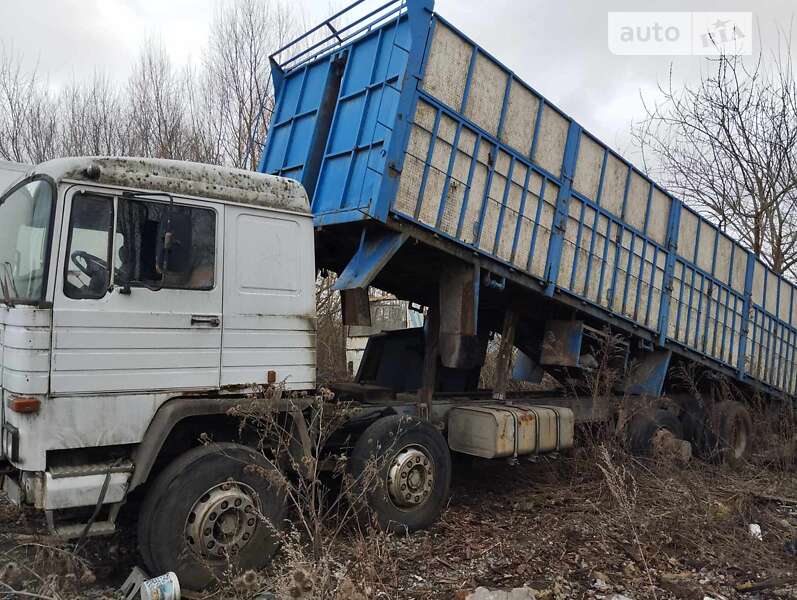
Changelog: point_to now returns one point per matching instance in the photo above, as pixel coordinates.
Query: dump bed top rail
(316, 43)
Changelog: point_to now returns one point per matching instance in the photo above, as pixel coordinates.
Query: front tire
(213, 507)
(402, 471)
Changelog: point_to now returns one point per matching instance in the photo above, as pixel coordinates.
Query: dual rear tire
(725, 435)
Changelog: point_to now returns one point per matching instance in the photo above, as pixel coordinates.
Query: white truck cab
(126, 284)
(146, 305)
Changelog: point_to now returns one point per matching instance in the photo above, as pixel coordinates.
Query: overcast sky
(557, 46)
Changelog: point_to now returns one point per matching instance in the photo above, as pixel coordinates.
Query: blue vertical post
(671, 243)
(419, 15)
(562, 204)
(746, 304)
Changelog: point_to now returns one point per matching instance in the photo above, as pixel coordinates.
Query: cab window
(88, 256)
(161, 245)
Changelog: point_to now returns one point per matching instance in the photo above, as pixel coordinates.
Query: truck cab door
(162, 331)
(269, 298)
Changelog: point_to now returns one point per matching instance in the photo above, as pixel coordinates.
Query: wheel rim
(411, 477)
(223, 520)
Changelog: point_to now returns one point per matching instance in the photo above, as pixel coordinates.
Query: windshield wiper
(7, 285)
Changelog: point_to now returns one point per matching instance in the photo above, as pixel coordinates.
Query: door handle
(211, 320)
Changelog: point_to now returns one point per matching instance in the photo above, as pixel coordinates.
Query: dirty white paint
(499, 431)
(25, 352)
(784, 301)
(739, 269)
(137, 342)
(771, 303)
(103, 367)
(269, 298)
(69, 492)
(183, 178)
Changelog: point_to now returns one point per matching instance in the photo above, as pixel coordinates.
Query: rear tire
(402, 472)
(644, 426)
(213, 507)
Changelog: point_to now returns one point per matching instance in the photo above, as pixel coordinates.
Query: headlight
(10, 442)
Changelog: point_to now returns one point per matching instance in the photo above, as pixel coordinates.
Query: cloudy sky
(558, 46)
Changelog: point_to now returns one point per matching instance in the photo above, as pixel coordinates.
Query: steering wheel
(90, 264)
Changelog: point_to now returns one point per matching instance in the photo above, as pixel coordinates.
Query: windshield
(25, 218)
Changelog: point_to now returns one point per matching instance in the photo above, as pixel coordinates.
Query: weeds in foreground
(329, 548)
(623, 488)
(39, 570)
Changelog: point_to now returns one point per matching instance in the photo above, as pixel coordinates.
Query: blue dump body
(398, 117)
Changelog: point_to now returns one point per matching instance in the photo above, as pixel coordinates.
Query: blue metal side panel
(294, 120)
(365, 114)
(354, 160)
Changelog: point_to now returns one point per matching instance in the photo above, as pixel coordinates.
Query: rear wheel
(402, 472)
(213, 507)
(644, 427)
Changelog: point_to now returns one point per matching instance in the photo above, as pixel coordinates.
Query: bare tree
(156, 111)
(91, 119)
(27, 126)
(237, 72)
(727, 147)
(217, 112)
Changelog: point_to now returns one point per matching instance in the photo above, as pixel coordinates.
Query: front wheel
(401, 468)
(213, 507)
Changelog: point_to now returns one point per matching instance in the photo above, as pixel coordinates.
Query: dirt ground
(590, 525)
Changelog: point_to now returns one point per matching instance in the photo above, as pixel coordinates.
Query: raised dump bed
(400, 120)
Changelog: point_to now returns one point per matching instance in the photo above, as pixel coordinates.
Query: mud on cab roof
(181, 178)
